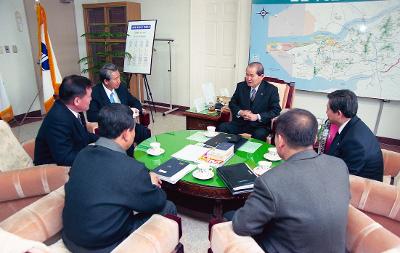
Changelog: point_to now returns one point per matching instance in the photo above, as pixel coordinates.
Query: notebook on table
(173, 170)
(238, 178)
(237, 140)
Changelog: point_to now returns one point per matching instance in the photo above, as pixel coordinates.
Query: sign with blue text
(139, 44)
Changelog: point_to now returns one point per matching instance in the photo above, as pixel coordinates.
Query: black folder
(237, 140)
(239, 178)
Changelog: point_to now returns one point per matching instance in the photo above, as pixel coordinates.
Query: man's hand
(244, 113)
(155, 180)
(251, 116)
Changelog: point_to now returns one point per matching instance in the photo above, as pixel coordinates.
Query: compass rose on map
(263, 13)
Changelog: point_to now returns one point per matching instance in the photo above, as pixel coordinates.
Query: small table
(200, 120)
(213, 188)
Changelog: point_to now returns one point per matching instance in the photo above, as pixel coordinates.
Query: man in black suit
(110, 91)
(354, 143)
(106, 188)
(302, 204)
(253, 105)
(63, 132)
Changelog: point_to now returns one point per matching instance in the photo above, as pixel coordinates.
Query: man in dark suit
(63, 132)
(302, 204)
(110, 91)
(354, 143)
(106, 188)
(253, 105)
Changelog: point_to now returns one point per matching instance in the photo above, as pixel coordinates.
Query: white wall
(173, 18)
(17, 69)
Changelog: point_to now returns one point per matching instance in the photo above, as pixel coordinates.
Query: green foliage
(92, 64)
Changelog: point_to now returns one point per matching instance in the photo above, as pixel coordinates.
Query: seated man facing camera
(106, 187)
(302, 204)
(253, 105)
(110, 91)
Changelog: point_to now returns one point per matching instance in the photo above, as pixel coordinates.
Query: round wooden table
(213, 188)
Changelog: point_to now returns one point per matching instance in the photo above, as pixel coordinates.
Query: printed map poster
(325, 45)
(139, 44)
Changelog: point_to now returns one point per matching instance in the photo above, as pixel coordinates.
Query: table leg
(217, 209)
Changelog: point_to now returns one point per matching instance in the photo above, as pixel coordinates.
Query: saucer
(203, 176)
(272, 158)
(210, 134)
(259, 171)
(153, 152)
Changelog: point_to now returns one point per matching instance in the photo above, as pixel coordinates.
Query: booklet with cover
(219, 155)
(173, 170)
(239, 178)
(237, 140)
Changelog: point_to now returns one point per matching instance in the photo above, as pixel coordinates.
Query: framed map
(325, 45)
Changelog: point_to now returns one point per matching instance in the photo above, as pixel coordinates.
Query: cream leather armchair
(27, 229)
(21, 182)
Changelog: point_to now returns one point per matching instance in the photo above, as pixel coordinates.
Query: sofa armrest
(391, 162)
(91, 127)
(224, 240)
(375, 197)
(159, 235)
(29, 147)
(40, 220)
(33, 181)
(364, 235)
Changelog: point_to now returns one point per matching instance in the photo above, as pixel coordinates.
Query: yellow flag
(6, 111)
(51, 77)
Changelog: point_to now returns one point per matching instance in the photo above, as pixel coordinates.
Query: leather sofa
(26, 230)
(21, 182)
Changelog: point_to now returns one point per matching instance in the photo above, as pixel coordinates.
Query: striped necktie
(252, 94)
(112, 100)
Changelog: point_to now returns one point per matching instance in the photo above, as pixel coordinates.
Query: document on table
(198, 136)
(191, 153)
(250, 147)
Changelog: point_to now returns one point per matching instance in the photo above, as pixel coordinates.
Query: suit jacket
(298, 206)
(61, 136)
(100, 99)
(104, 188)
(359, 149)
(266, 103)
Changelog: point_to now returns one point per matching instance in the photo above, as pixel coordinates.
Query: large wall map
(330, 45)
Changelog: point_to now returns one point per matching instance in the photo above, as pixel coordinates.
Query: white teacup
(204, 168)
(211, 129)
(272, 151)
(265, 165)
(155, 146)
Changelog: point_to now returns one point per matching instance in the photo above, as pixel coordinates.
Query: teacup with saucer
(263, 166)
(272, 155)
(155, 149)
(203, 172)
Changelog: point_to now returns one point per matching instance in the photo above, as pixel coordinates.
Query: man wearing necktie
(253, 105)
(354, 142)
(63, 131)
(109, 91)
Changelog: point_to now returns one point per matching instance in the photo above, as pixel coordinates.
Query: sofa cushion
(12, 155)
(13, 243)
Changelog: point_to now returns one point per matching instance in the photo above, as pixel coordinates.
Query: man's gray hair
(106, 71)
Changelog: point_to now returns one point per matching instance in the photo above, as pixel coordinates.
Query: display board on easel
(139, 45)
